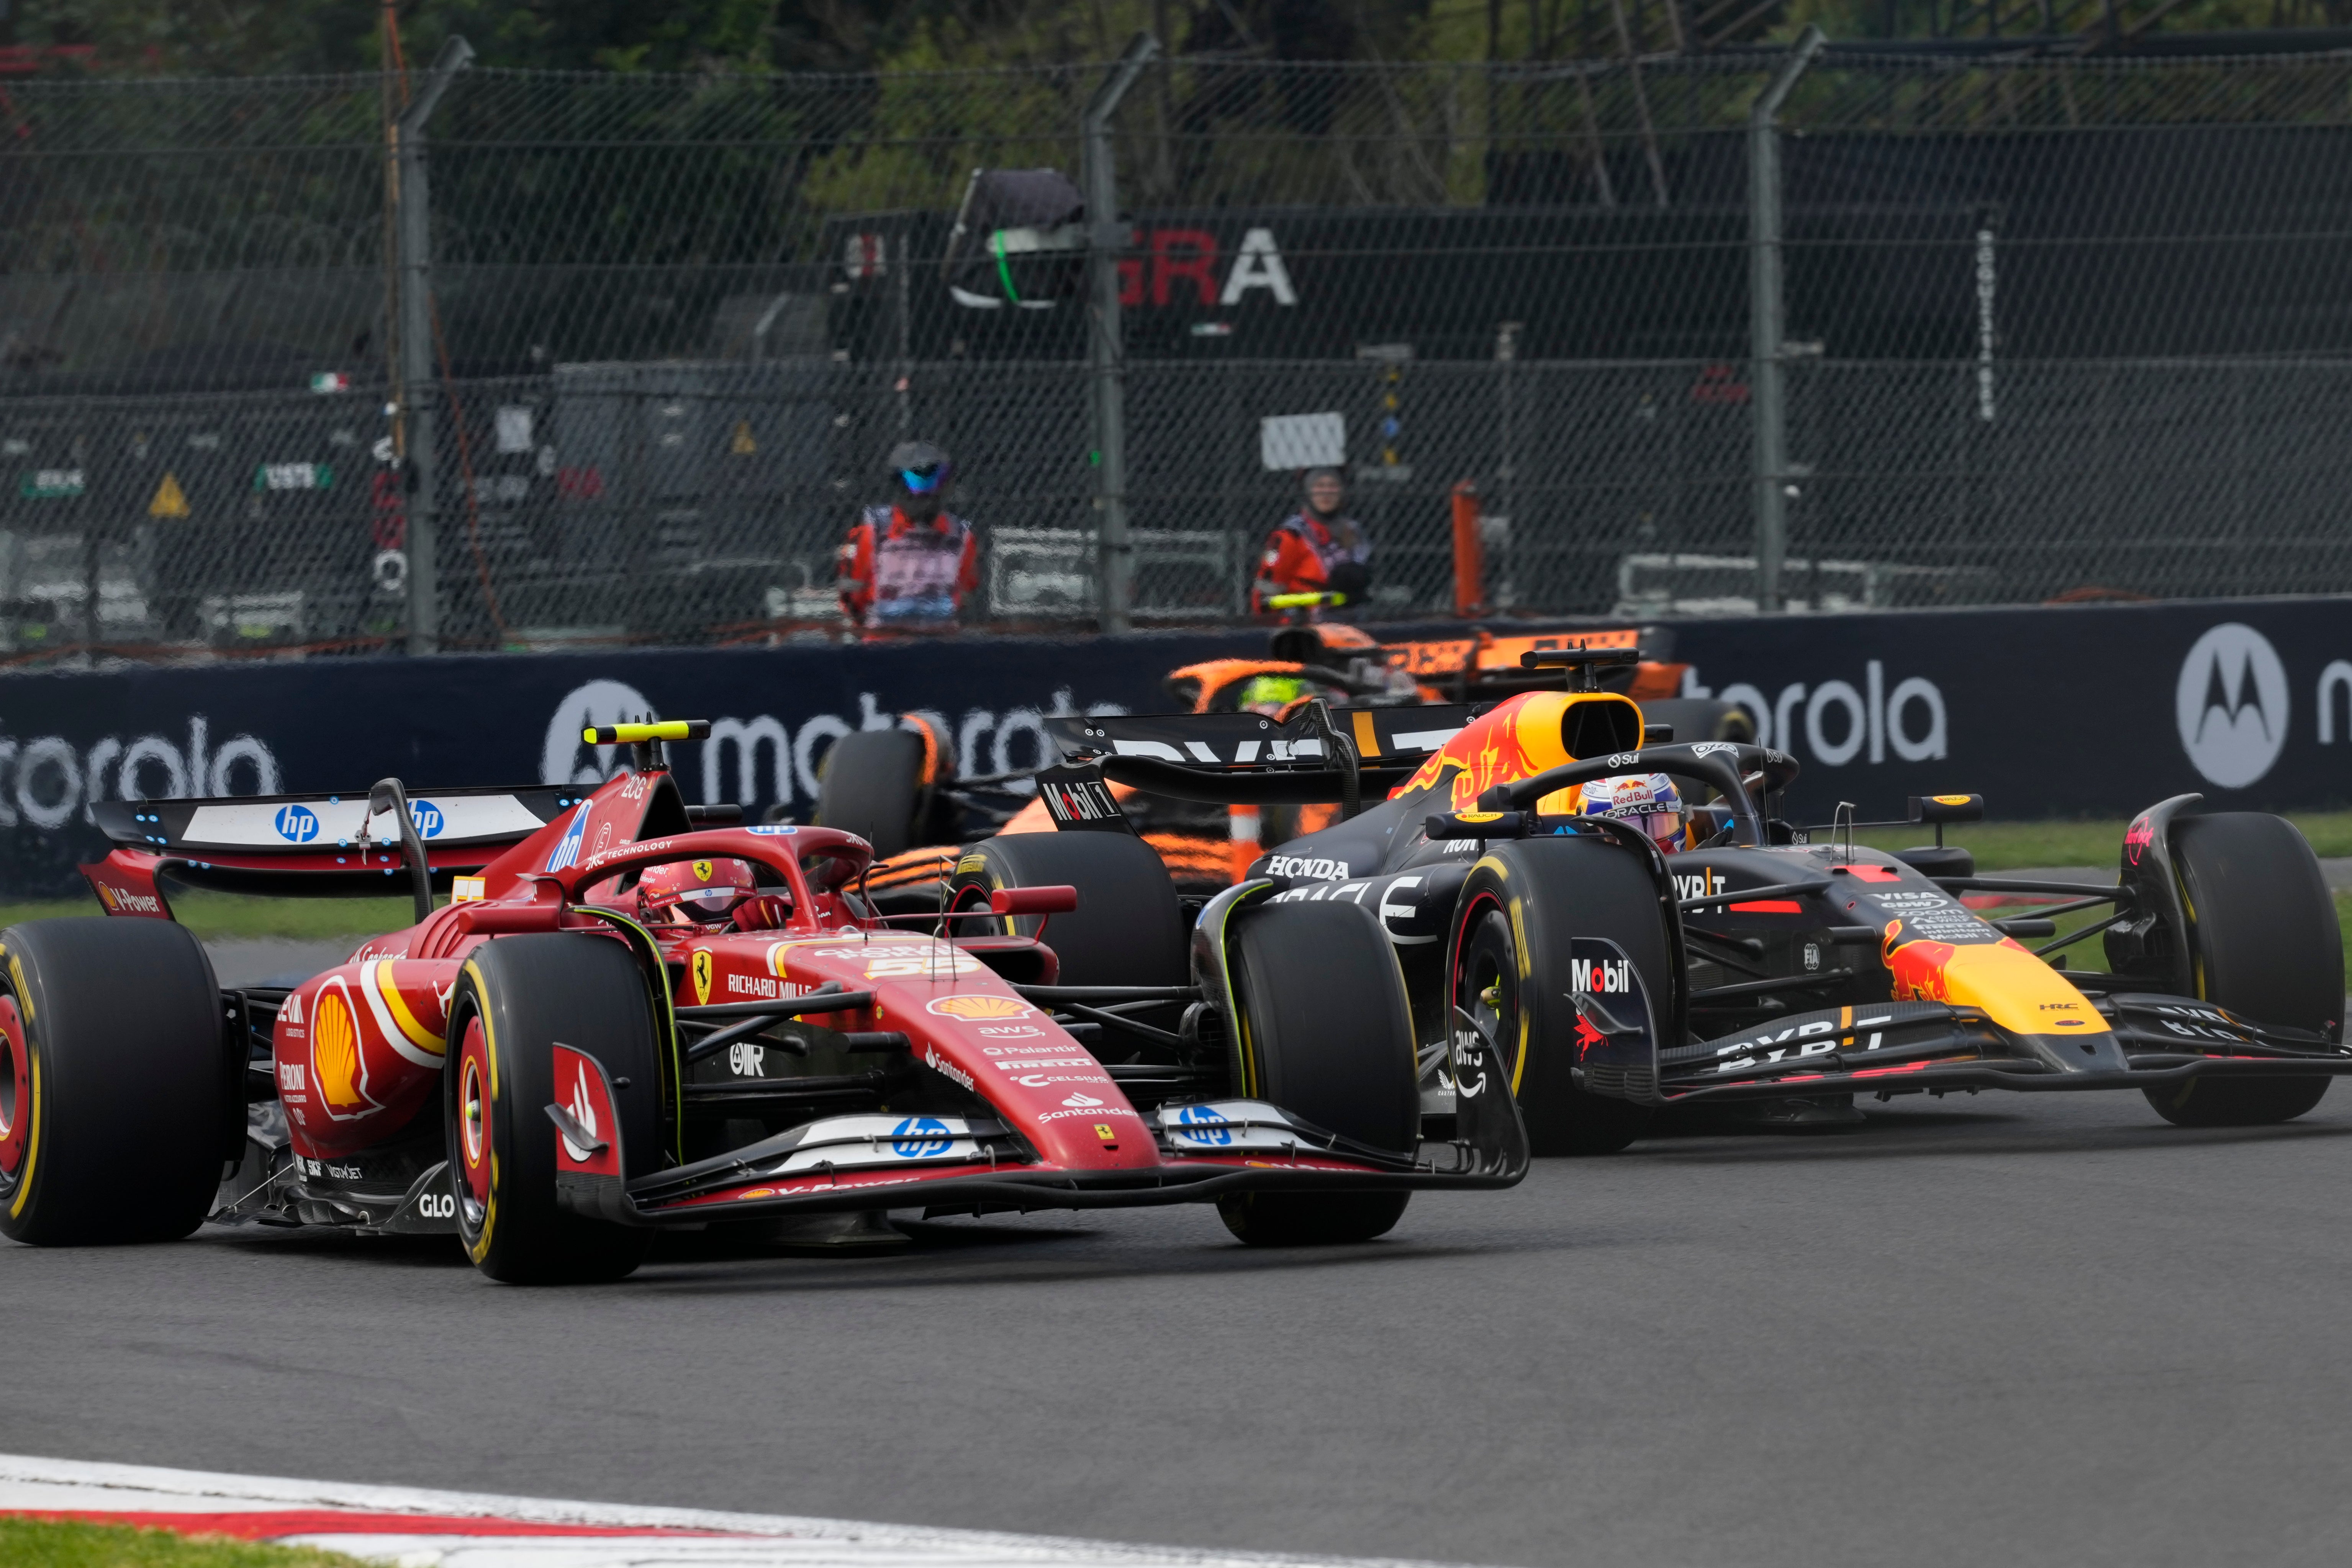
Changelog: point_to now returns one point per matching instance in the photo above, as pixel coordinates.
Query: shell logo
(980, 1008)
(336, 1067)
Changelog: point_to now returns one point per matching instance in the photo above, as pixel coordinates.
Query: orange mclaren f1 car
(898, 788)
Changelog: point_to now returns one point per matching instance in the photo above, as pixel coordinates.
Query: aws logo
(2231, 706)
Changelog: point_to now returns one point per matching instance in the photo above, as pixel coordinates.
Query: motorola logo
(2231, 706)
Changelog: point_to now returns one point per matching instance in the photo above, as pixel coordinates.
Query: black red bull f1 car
(549, 1068)
(1749, 961)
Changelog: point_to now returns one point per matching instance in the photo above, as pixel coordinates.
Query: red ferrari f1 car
(561, 1058)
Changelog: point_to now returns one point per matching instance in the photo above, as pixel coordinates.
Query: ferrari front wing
(1207, 1149)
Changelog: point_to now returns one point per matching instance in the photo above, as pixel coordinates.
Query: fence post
(1769, 464)
(418, 370)
(1105, 347)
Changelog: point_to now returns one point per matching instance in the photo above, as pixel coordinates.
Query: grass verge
(2008, 846)
(61, 1544)
(230, 914)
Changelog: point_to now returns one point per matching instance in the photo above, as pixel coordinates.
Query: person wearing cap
(1316, 549)
(908, 566)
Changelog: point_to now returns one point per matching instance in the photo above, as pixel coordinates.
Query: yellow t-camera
(642, 734)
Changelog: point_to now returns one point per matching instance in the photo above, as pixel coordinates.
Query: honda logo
(2232, 704)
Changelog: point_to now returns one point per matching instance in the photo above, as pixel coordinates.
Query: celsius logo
(297, 824)
(2232, 704)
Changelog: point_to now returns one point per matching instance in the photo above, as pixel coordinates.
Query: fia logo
(2232, 704)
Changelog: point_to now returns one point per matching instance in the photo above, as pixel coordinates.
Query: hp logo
(427, 817)
(297, 824)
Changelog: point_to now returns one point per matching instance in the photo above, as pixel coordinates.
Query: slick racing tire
(1545, 893)
(117, 1095)
(517, 998)
(2262, 941)
(1128, 929)
(871, 784)
(1324, 1032)
(1695, 718)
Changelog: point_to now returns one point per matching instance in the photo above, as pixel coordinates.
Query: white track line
(595, 1535)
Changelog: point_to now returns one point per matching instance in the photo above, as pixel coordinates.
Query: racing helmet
(1648, 801)
(918, 468)
(695, 891)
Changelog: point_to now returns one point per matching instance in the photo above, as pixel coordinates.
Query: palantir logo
(297, 824)
(2232, 704)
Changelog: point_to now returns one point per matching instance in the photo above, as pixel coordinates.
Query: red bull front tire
(2263, 942)
(1512, 966)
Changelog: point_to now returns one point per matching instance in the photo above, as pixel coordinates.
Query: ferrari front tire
(2263, 942)
(516, 999)
(117, 1088)
(1324, 1032)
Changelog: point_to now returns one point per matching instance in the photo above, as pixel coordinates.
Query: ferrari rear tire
(517, 998)
(1325, 1031)
(116, 1094)
(1544, 893)
(871, 784)
(2263, 942)
(1128, 929)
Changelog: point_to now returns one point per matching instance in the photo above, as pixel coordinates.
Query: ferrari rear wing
(310, 844)
(471, 818)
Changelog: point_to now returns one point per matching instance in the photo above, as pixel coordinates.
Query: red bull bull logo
(1919, 968)
(1518, 739)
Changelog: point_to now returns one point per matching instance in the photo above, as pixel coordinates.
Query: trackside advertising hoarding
(2082, 711)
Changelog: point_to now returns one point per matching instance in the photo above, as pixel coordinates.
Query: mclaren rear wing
(1246, 758)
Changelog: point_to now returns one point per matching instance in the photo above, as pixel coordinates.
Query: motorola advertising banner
(2080, 711)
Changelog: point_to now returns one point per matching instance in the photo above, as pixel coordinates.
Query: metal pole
(1770, 464)
(1106, 348)
(418, 372)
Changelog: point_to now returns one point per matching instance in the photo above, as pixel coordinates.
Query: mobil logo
(920, 1137)
(295, 824)
(427, 817)
(2231, 702)
(1209, 1123)
(1600, 977)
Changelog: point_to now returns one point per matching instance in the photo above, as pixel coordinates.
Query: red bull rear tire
(2264, 941)
(1325, 1031)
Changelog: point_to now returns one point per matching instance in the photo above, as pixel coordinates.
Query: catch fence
(2051, 328)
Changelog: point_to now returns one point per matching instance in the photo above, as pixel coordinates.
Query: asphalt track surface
(2024, 1329)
